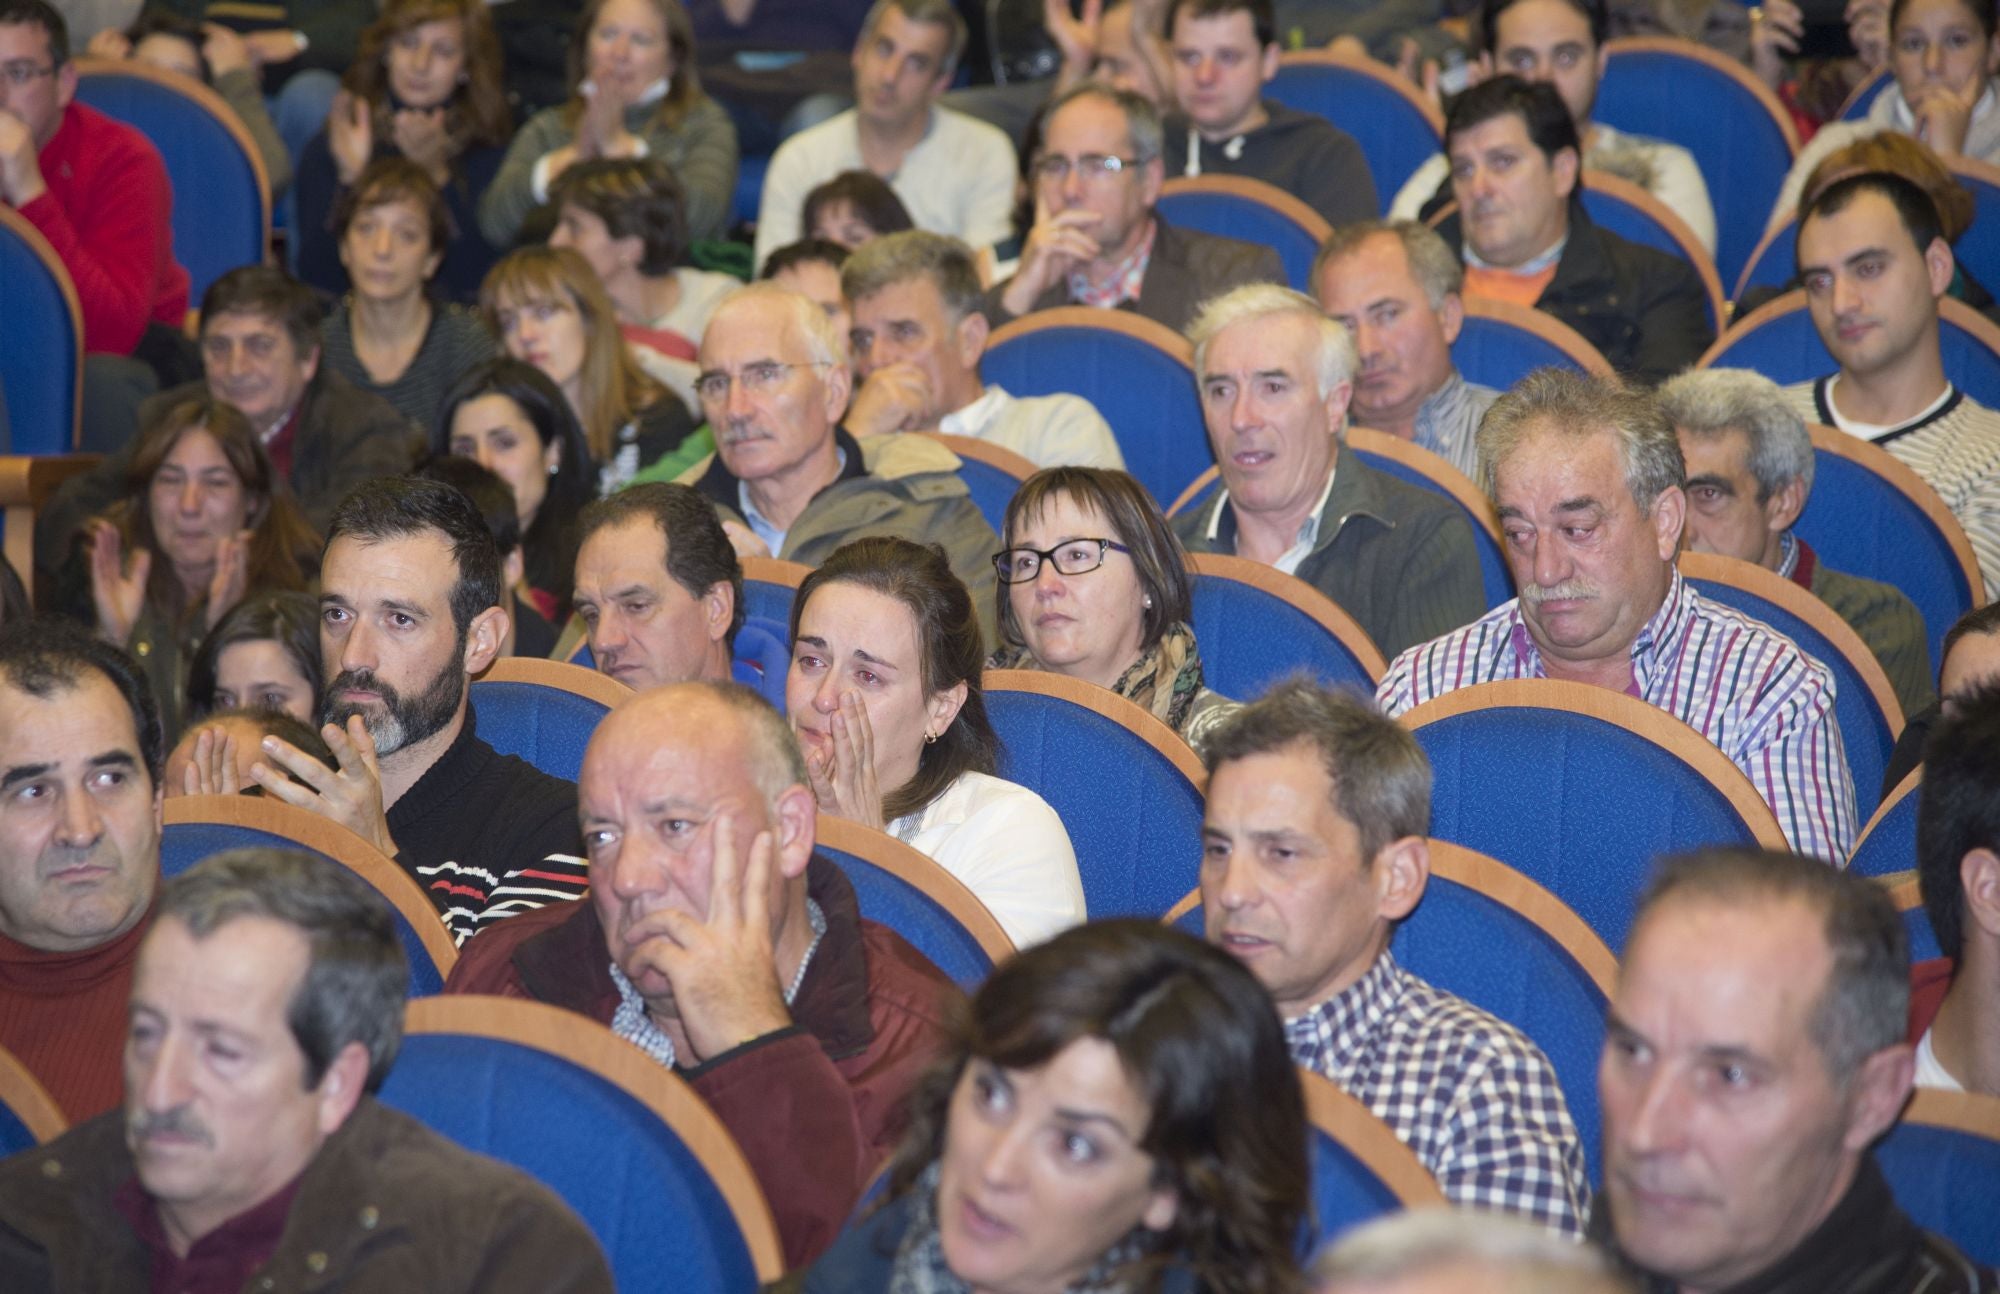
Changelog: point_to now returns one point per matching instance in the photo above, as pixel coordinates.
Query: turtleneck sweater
(63, 1016)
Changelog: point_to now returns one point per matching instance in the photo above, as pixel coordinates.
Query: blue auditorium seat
(1397, 130)
(1888, 843)
(1251, 211)
(1943, 1161)
(543, 711)
(1502, 343)
(991, 473)
(29, 1116)
(904, 890)
(1359, 1170)
(1778, 340)
(1258, 626)
(41, 341)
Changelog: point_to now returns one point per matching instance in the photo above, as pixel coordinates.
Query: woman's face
(1939, 42)
(196, 499)
(260, 674)
(387, 250)
(496, 433)
(856, 640)
(841, 223)
(1043, 1170)
(628, 47)
(427, 63)
(548, 334)
(1087, 626)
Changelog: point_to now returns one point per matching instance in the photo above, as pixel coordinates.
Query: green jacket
(1890, 624)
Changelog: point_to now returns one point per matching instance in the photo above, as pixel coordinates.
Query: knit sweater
(63, 1016)
(454, 341)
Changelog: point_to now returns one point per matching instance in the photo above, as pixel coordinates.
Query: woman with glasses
(884, 696)
(1094, 586)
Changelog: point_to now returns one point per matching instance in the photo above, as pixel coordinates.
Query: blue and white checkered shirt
(1471, 1096)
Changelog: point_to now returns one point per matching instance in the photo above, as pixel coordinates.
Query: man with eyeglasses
(787, 478)
(1097, 240)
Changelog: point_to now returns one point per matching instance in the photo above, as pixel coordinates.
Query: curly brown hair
(478, 113)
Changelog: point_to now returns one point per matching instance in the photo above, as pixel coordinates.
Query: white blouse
(1008, 847)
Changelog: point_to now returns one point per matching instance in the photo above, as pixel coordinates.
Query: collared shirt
(1447, 424)
(1124, 281)
(762, 526)
(1471, 1096)
(1788, 558)
(221, 1262)
(1739, 683)
(1288, 561)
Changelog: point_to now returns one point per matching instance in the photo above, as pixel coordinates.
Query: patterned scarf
(1164, 681)
(920, 1267)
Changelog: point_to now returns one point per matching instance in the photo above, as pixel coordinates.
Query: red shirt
(221, 1262)
(279, 447)
(63, 1016)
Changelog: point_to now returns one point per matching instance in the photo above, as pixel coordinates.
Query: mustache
(177, 1122)
(1575, 589)
(364, 679)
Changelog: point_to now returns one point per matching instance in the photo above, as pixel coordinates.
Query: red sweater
(106, 212)
(63, 1016)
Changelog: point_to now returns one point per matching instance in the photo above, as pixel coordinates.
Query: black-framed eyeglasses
(1071, 557)
(20, 72)
(1055, 168)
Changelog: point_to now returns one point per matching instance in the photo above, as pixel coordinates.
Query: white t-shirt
(1929, 1072)
(1008, 847)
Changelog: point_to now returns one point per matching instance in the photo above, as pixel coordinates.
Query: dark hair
(154, 21)
(699, 554)
(356, 977)
(1129, 510)
(1914, 208)
(1486, 23)
(1197, 1036)
(806, 251)
(1981, 11)
(268, 291)
(13, 595)
(1983, 621)
(572, 485)
(948, 643)
(1263, 18)
(39, 13)
(395, 507)
(635, 197)
(1904, 155)
(870, 196)
(487, 491)
(1865, 1003)
(274, 723)
(477, 112)
(1958, 809)
(395, 178)
(288, 619)
(1536, 103)
(42, 656)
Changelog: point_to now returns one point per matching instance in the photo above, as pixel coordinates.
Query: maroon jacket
(816, 1107)
(1929, 982)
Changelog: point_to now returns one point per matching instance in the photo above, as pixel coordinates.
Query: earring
(557, 467)
(1147, 601)
(930, 738)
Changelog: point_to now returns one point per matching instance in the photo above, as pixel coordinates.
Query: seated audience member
(508, 417)
(79, 734)
(787, 479)
(1749, 473)
(628, 219)
(954, 173)
(1348, 792)
(549, 310)
(1096, 239)
(529, 633)
(1591, 489)
(1561, 43)
(1155, 1062)
(387, 335)
(829, 1020)
(428, 86)
(1970, 657)
(884, 696)
(1224, 52)
(409, 612)
(1955, 999)
(1125, 48)
(264, 655)
(201, 522)
(213, 55)
(1399, 291)
(95, 188)
(1587, 477)
(266, 1011)
(215, 755)
(852, 208)
(1874, 265)
(811, 267)
(917, 336)
(1093, 585)
(1275, 376)
(634, 93)
(1450, 1251)
(13, 595)
(1754, 1052)
(1526, 238)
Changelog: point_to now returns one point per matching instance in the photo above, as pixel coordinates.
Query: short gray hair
(1577, 406)
(938, 13)
(1142, 119)
(776, 762)
(1710, 402)
(1334, 361)
(1521, 1257)
(1432, 262)
(823, 341)
(884, 262)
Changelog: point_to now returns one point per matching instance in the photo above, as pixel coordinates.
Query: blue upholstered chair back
(222, 211)
(546, 726)
(763, 656)
(902, 904)
(1786, 348)
(1492, 352)
(769, 601)
(1888, 845)
(1251, 638)
(1145, 392)
(1773, 264)
(1359, 1170)
(1978, 248)
(1232, 215)
(28, 1115)
(1396, 135)
(14, 1134)
(1864, 95)
(991, 488)
(1346, 1192)
(1495, 580)
(1133, 813)
(1944, 1177)
(41, 341)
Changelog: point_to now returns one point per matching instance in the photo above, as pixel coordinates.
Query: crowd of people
(520, 383)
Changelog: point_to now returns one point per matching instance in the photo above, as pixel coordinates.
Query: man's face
(40, 103)
(1872, 291)
(1549, 40)
(899, 70)
(819, 283)
(1220, 71)
(906, 323)
(1592, 569)
(1271, 429)
(1513, 202)
(1127, 59)
(781, 408)
(218, 1114)
(251, 363)
(1403, 344)
(1974, 661)
(1724, 513)
(1726, 1140)
(391, 651)
(645, 629)
(1123, 200)
(1284, 886)
(79, 817)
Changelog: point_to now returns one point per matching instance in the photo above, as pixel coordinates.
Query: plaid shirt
(1741, 684)
(1475, 1100)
